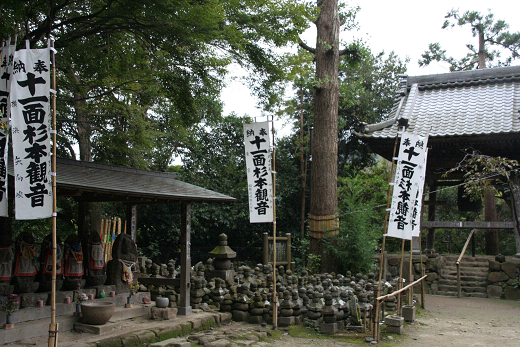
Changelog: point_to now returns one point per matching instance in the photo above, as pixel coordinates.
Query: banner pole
(381, 261)
(53, 327)
(275, 298)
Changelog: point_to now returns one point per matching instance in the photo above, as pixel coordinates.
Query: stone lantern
(223, 259)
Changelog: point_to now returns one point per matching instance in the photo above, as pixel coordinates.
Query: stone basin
(97, 313)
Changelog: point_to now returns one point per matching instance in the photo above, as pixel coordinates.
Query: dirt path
(446, 322)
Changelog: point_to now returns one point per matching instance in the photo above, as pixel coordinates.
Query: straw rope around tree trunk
(323, 226)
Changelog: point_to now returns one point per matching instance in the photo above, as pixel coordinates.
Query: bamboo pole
(423, 287)
(410, 277)
(53, 326)
(108, 224)
(401, 290)
(275, 298)
(400, 283)
(381, 261)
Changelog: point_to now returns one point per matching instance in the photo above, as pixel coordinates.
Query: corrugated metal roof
(97, 182)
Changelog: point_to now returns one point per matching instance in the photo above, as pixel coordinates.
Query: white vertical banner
(30, 128)
(259, 174)
(404, 220)
(6, 68)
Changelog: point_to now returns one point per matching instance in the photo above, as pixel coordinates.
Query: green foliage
(367, 90)
(361, 196)
(483, 173)
(134, 77)
(493, 33)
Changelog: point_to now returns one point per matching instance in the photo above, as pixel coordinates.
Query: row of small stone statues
(27, 268)
(248, 296)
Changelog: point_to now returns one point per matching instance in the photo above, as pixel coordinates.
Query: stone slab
(176, 342)
(96, 329)
(163, 313)
(394, 321)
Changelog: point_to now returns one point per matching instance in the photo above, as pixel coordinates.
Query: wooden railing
(459, 287)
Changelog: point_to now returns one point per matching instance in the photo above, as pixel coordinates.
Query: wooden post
(53, 326)
(184, 303)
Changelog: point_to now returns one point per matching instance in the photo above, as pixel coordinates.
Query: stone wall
(502, 282)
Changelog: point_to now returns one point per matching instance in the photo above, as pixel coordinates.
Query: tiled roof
(469, 110)
(97, 182)
(469, 103)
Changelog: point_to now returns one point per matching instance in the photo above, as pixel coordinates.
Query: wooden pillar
(430, 237)
(490, 214)
(131, 217)
(83, 216)
(184, 303)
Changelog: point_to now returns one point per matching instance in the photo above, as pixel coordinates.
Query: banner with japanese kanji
(30, 130)
(405, 209)
(259, 174)
(6, 67)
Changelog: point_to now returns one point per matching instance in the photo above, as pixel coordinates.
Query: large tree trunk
(92, 210)
(324, 202)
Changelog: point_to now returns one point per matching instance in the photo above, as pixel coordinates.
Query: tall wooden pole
(275, 298)
(381, 260)
(53, 327)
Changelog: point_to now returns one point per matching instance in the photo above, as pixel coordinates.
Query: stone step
(466, 289)
(464, 294)
(468, 258)
(463, 283)
(464, 276)
(478, 274)
(464, 266)
(40, 320)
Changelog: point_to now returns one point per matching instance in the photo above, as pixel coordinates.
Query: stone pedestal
(394, 324)
(408, 313)
(226, 275)
(286, 321)
(328, 328)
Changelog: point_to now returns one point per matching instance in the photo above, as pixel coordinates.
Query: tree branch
(347, 51)
(306, 47)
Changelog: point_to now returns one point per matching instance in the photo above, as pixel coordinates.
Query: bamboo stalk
(53, 326)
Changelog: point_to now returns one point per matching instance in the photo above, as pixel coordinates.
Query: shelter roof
(459, 111)
(89, 181)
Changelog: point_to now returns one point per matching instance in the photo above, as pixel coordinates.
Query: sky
(403, 26)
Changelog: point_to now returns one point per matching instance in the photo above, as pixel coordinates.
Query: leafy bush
(362, 201)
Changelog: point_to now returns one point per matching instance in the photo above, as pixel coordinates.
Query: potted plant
(79, 297)
(9, 305)
(134, 288)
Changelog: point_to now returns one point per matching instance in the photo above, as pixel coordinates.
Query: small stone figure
(45, 272)
(73, 266)
(26, 258)
(6, 264)
(95, 261)
(120, 270)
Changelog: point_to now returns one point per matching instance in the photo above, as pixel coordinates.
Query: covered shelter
(460, 111)
(91, 182)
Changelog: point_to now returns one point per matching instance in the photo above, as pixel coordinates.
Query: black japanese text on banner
(30, 128)
(259, 177)
(6, 68)
(406, 203)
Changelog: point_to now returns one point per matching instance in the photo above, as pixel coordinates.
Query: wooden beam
(184, 304)
(467, 225)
